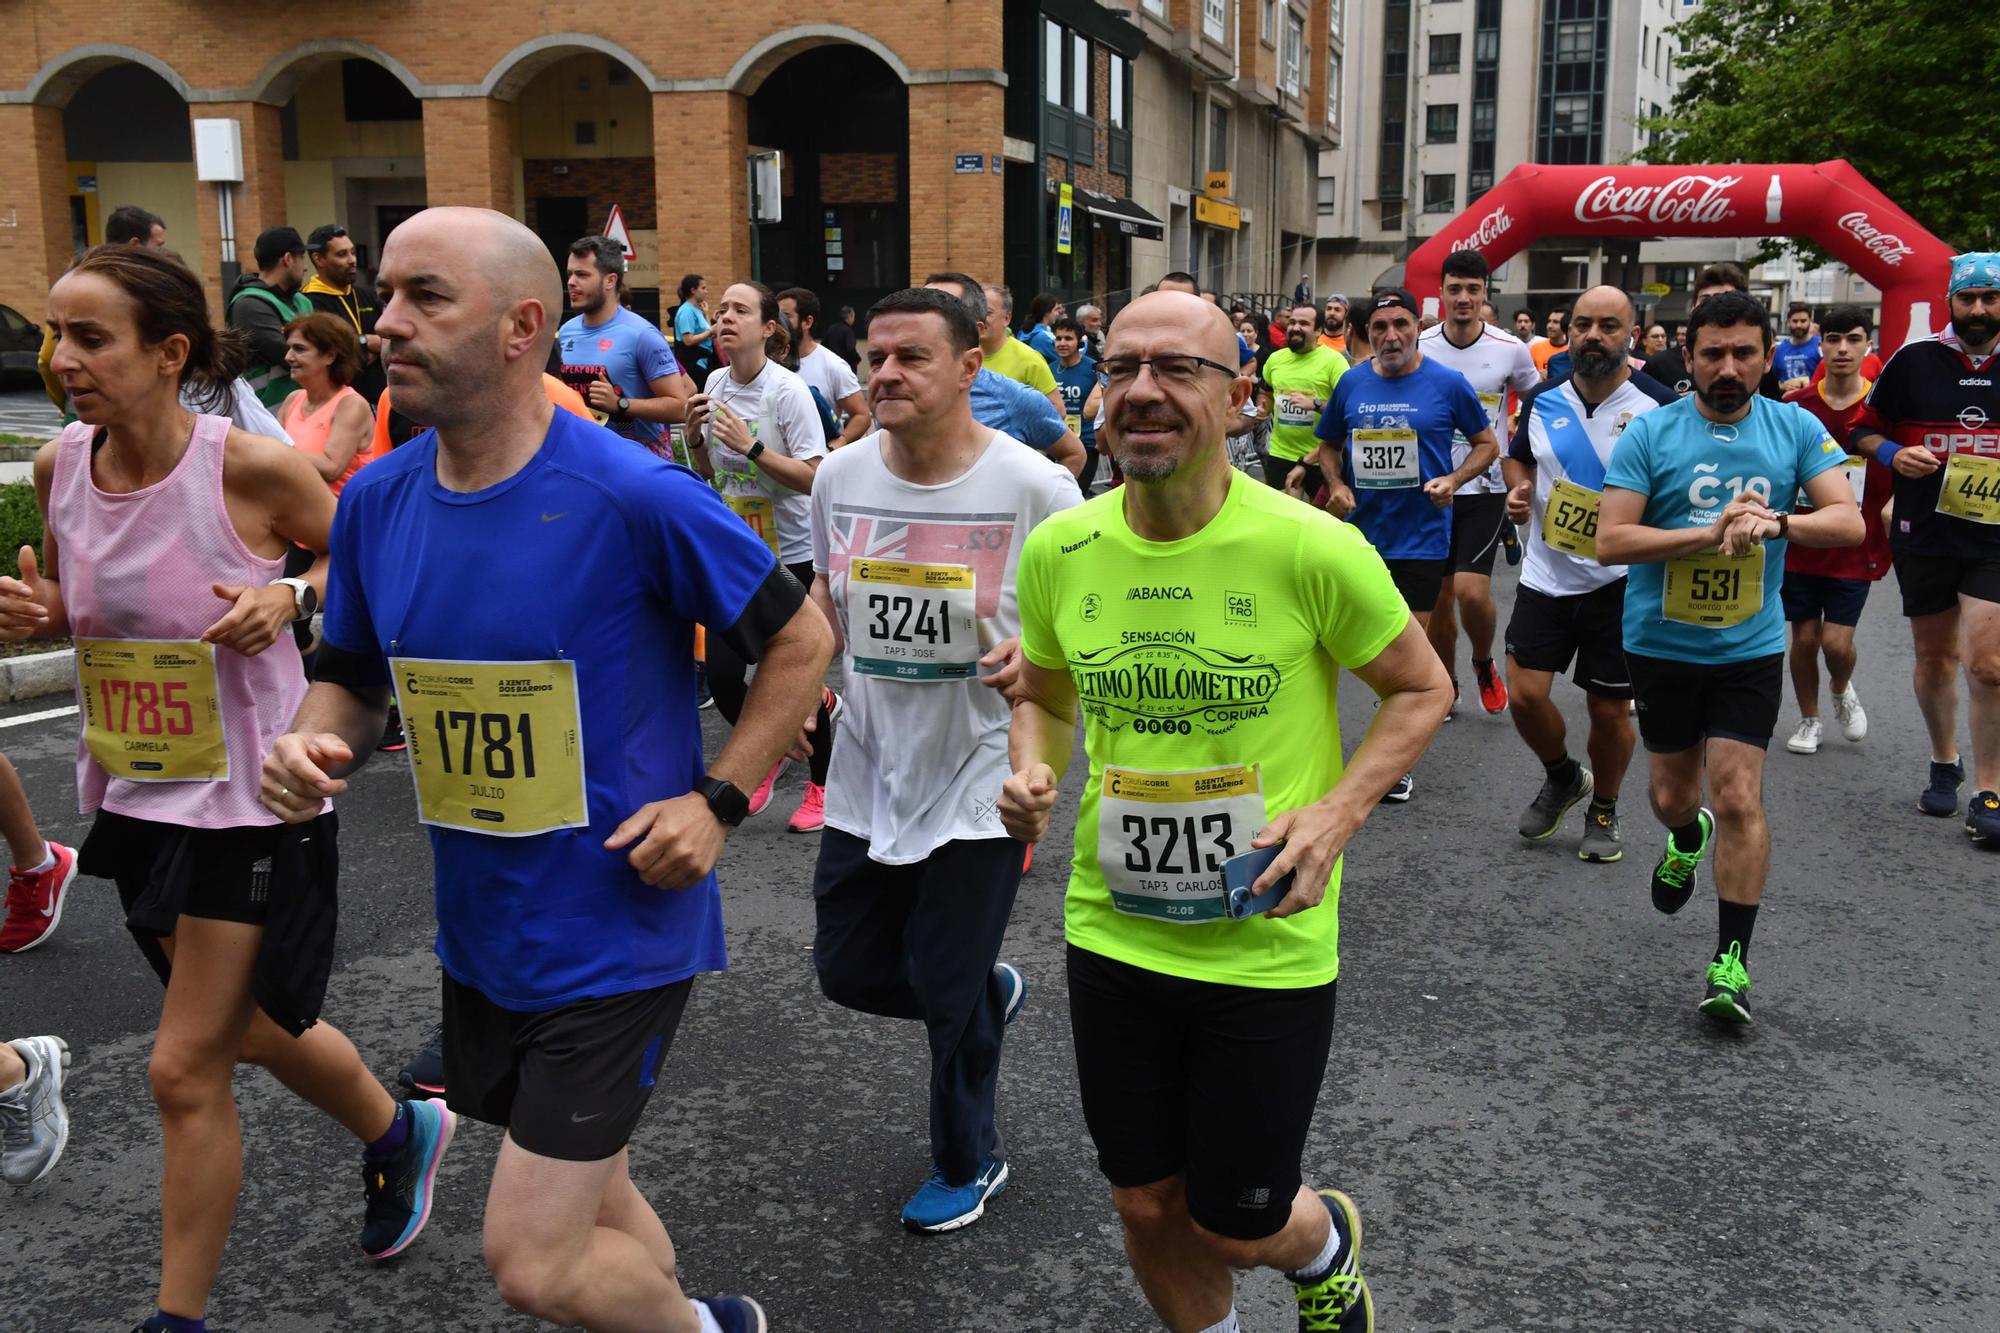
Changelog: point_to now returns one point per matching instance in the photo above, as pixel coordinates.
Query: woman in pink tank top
(164, 533)
(329, 422)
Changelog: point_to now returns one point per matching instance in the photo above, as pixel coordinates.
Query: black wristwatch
(725, 799)
(624, 405)
(756, 447)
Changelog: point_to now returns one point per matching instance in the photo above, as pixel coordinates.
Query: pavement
(28, 412)
(1541, 1131)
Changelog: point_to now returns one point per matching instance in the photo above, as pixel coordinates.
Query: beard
(1975, 331)
(1297, 340)
(1595, 362)
(1724, 396)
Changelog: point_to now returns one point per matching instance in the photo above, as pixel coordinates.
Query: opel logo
(1972, 418)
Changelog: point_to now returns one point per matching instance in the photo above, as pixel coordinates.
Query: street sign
(1216, 214)
(969, 164)
(615, 230)
(1064, 196)
(1657, 289)
(1216, 184)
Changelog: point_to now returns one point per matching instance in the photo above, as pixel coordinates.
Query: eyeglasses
(1176, 368)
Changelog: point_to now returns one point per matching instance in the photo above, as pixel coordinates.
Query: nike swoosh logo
(550, 518)
(576, 1119)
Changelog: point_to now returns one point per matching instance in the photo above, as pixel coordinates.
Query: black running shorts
(568, 1083)
(1476, 524)
(1420, 581)
(1545, 633)
(225, 872)
(1933, 583)
(1682, 704)
(1210, 1082)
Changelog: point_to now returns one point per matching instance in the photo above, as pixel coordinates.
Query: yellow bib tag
(1713, 590)
(1162, 838)
(1073, 422)
(1971, 488)
(912, 622)
(1386, 460)
(759, 512)
(495, 747)
(152, 709)
(1569, 520)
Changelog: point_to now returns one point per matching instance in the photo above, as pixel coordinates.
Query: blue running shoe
(1017, 988)
(399, 1187)
(736, 1314)
(1982, 818)
(1510, 543)
(940, 1207)
(1941, 797)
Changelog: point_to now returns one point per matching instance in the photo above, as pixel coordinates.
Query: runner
(1825, 590)
(1494, 363)
(768, 442)
(1569, 606)
(1798, 354)
(1942, 396)
(609, 354)
(1687, 505)
(327, 418)
(1333, 332)
(1386, 450)
(832, 377)
(916, 534)
(1298, 381)
(41, 871)
(165, 535)
(556, 1021)
(1009, 406)
(34, 1123)
(1202, 1041)
(1008, 355)
(1544, 349)
(1671, 367)
(1082, 394)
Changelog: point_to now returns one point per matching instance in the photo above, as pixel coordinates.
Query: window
(1440, 194)
(1645, 42)
(1444, 52)
(1334, 8)
(1214, 20)
(1333, 91)
(1052, 63)
(1267, 26)
(1571, 114)
(1576, 41)
(1120, 138)
(1158, 7)
(1218, 137)
(1441, 123)
(1079, 74)
(586, 132)
(1391, 213)
(1486, 45)
(1324, 197)
(1119, 118)
(1293, 55)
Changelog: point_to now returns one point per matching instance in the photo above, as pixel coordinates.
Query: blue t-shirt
(1432, 401)
(629, 553)
(1011, 406)
(1796, 361)
(1074, 383)
(1688, 468)
(1042, 340)
(626, 350)
(689, 319)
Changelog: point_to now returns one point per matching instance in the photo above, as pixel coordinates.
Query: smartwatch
(725, 799)
(305, 600)
(756, 448)
(624, 405)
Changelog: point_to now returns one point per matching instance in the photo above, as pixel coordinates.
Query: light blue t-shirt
(689, 319)
(1074, 383)
(1011, 406)
(1688, 468)
(628, 351)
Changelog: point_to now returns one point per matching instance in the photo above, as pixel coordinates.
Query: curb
(35, 675)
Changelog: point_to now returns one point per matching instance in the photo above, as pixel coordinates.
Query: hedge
(20, 525)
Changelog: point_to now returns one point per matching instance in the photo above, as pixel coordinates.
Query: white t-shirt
(921, 752)
(248, 414)
(780, 412)
(830, 375)
(1495, 362)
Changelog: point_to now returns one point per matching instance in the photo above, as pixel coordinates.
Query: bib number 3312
(495, 747)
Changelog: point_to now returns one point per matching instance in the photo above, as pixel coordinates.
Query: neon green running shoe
(1674, 877)
(1728, 988)
(1339, 1302)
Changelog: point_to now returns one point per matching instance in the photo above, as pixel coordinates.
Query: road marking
(43, 716)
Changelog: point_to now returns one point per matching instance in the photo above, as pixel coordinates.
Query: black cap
(274, 243)
(1394, 296)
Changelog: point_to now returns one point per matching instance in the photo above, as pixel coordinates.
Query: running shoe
(1544, 814)
(735, 1314)
(1403, 789)
(35, 901)
(702, 695)
(810, 817)
(1339, 1302)
(1601, 841)
(1674, 877)
(1847, 711)
(399, 1187)
(1510, 543)
(762, 796)
(940, 1207)
(1941, 797)
(1805, 740)
(1982, 818)
(1492, 689)
(34, 1124)
(392, 733)
(1451, 714)
(1028, 859)
(425, 1072)
(1017, 988)
(1728, 988)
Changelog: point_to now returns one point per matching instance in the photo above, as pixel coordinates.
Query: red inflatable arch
(1828, 202)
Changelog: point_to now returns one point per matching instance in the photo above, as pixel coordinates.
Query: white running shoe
(1806, 739)
(34, 1123)
(1847, 710)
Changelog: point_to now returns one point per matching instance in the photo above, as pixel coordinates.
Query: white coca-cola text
(1886, 246)
(1491, 228)
(1683, 200)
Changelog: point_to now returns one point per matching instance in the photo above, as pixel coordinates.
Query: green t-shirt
(1294, 379)
(1207, 670)
(1018, 361)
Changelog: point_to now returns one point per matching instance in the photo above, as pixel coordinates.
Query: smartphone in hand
(1240, 872)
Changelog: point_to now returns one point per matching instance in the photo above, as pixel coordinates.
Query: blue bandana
(1974, 269)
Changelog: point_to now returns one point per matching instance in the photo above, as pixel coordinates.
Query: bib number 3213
(1162, 838)
(495, 747)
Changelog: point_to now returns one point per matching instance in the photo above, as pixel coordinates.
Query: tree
(1904, 92)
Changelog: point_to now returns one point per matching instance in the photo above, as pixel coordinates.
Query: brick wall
(955, 221)
(604, 181)
(259, 202)
(469, 152)
(34, 250)
(859, 178)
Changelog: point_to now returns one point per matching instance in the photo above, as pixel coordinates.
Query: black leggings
(726, 681)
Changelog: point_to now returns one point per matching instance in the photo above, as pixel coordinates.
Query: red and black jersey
(1870, 560)
(1934, 396)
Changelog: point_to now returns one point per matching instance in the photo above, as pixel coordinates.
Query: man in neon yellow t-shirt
(1202, 621)
(1298, 379)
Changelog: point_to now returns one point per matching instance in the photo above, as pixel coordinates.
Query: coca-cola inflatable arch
(1827, 202)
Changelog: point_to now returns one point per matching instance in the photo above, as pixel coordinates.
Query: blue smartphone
(1240, 872)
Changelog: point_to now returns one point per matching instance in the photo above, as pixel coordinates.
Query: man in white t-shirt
(916, 536)
(824, 371)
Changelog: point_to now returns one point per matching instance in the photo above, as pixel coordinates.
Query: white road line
(42, 716)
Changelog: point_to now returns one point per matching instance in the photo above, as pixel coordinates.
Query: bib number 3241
(911, 621)
(1162, 838)
(495, 747)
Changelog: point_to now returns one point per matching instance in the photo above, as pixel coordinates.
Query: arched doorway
(128, 140)
(839, 115)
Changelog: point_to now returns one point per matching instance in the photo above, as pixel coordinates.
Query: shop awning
(1127, 216)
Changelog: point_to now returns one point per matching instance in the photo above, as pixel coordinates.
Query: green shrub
(20, 525)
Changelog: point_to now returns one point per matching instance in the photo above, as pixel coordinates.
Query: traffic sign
(615, 230)
(1064, 212)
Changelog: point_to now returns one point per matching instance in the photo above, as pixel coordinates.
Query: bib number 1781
(505, 743)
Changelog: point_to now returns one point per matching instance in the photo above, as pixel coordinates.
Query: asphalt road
(1541, 1131)
(27, 411)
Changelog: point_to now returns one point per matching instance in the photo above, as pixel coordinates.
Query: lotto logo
(1239, 608)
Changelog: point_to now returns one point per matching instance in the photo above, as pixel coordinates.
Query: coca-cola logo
(1490, 229)
(1886, 246)
(1684, 200)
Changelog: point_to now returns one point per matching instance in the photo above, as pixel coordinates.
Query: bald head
(1189, 323)
(1599, 301)
(1600, 334)
(1159, 422)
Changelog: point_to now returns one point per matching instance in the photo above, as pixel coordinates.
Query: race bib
(1385, 460)
(1854, 470)
(759, 511)
(495, 747)
(1074, 423)
(1492, 402)
(1971, 488)
(1293, 409)
(1162, 838)
(152, 709)
(912, 622)
(1569, 520)
(1713, 590)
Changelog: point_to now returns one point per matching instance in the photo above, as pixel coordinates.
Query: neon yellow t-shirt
(1018, 361)
(1207, 670)
(1297, 383)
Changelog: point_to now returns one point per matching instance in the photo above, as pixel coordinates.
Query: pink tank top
(139, 566)
(309, 430)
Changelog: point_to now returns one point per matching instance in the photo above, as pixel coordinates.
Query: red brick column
(259, 200)
(702, 186)
(469, 152)
(34, 206)
(955, 221)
